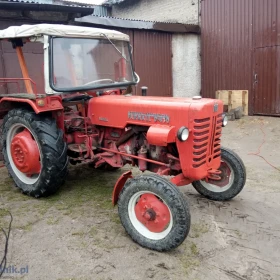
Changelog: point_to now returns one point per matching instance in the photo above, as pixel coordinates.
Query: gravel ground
(76, 234)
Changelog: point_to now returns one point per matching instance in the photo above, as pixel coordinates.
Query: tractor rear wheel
(233, 178)
(34, 151)
(154, 212)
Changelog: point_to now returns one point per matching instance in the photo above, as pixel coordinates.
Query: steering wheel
(99, 81)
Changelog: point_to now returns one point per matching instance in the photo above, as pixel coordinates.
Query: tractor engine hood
(121, 111)
(163, 117)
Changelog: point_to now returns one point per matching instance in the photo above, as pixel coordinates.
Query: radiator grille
(206, 137)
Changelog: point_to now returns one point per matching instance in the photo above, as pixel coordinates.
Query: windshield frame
(91, 87)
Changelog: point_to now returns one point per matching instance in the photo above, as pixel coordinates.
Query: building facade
(186, 60)
(241, 51)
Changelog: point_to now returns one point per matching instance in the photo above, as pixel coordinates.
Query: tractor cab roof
(38, 30)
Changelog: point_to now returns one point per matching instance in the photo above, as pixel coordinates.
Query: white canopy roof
(37, 30)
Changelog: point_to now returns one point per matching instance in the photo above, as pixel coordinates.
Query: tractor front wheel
(233, 178)
(34, 151)
(154, 212)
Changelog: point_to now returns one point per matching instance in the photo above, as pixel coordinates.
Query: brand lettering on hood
(149, 117)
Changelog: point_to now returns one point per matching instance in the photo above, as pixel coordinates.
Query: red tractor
(85, 113)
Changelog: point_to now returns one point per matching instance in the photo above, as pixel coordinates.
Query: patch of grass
(189, 264)
(115, 218)
(3, 219)
(106, 204)
(85, 192)
(238, 233)
(93, 232)
(89, 187)
(194, 249)
(3, 213)
(27, 227)
(5, 187)
(78, 233)
(83, 244)
(198, 229)
(72, 278)
(52, 221)
(189, 256)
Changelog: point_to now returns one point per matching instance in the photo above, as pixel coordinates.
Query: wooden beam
(24, 70)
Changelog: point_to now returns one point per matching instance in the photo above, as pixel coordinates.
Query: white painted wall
(180, 11)
(186, 61)
(186, 65)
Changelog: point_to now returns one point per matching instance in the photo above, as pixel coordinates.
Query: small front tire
(154, 212)
(233, 178)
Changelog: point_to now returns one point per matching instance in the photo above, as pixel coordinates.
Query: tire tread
(53, 149)
(172, 196)
(238, 183)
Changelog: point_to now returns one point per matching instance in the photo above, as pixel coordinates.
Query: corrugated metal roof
(30, 1)
(140, 24)
(112, 2)
(85, 2)
(98, 9)
(78, 3)
(46, 6)
(151, 21)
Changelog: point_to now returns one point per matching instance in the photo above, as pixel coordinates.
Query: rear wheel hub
(152, 213)
(25, 153)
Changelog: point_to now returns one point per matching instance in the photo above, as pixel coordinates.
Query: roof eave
(137, 24)
(79, 11)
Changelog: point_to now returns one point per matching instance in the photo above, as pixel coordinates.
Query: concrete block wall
(186, 62)
(186, 65)
(178, 11)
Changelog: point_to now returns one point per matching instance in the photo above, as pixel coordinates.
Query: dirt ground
(76, 234)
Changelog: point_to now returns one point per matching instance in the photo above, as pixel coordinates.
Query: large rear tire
(154, 212)
(34, 151)
(233, 178)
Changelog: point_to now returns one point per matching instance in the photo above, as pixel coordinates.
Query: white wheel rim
(12, 132)
(139, 226)
(217, 189)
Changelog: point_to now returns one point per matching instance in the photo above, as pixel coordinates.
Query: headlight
(183, 134)
(225, 120)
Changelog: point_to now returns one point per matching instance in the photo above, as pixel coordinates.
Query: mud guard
(119, 185)
(52, 103)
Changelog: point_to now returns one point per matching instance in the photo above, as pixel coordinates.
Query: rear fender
(39, 105)
(119, 186)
